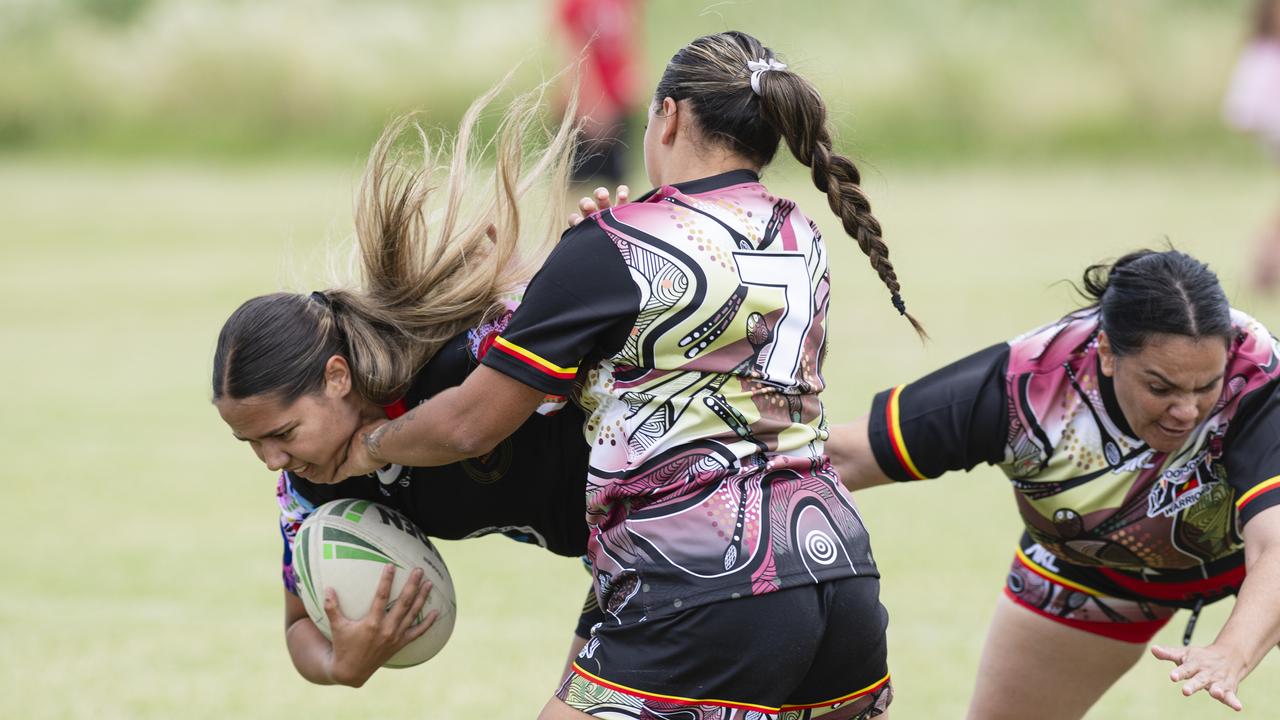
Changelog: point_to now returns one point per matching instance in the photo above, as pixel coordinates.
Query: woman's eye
(1157, 390)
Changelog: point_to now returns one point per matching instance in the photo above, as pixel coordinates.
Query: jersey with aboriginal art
(1089, 491)
(696, 318)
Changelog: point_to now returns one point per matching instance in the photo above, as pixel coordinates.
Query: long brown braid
(711, 73)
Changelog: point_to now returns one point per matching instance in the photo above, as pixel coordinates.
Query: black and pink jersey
(1090, 492)
(528, 488)
(695, 319)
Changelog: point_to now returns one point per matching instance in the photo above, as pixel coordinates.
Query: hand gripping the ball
(360, 647)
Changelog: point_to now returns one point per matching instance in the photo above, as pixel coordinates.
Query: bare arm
(850, 451)
(310, 651)
(360, 647)
(1252, 629)
(458, 423)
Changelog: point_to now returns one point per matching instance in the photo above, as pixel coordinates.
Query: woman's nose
(1184, 411)
(275, 457)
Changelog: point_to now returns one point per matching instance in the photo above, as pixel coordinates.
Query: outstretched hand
(600, 200)
(1206, 668)
(362, 646)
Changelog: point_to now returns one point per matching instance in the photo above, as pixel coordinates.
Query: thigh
(1034, 666)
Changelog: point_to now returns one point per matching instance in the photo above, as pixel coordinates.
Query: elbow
(472, 439)
(468, 445)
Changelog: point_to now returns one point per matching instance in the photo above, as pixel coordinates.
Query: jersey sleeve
(294, 509)
(951, 419)
(580, 306)
(1252, 452)
(298, 498)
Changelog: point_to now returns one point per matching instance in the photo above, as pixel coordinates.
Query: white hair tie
(760, 67)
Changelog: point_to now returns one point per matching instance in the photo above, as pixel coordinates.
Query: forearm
(458, 423)
(849, 448)
(310, 651)
(1254, 625)
(436, 432)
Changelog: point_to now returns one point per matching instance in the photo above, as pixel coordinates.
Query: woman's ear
(337, 377)
(1106, 358)
(671, 118)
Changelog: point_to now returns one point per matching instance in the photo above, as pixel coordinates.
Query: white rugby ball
(345, 544)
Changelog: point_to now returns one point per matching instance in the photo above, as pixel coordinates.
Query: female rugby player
(1142, 438)
(296, 375)
(735, 574)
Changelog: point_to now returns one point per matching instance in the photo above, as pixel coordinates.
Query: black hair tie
(899, 304)
(321, 298)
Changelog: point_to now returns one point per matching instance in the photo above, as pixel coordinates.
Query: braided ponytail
(711, 73)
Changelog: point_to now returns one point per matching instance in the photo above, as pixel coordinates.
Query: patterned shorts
(815, 651)
(1102, 601)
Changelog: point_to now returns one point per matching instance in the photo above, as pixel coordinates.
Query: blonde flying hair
(428, 270)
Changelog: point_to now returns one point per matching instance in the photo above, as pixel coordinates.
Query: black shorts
(816, 650)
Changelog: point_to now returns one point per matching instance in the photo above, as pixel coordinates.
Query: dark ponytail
(1148, 292)
(712, 74)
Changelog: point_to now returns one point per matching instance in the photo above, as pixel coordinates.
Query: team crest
(1179, 488)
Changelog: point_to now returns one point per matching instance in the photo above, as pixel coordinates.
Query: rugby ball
(345, 544)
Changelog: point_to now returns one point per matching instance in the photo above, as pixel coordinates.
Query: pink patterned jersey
(696, 320)
(1088, 489)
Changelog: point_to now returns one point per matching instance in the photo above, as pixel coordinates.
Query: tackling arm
(1252, 629)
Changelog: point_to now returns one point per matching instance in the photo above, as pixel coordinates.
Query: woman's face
(1168, 388)
(308, 436)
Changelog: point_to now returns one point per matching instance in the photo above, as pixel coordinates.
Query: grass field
(141, 576)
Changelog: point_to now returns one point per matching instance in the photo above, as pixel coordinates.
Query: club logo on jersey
(1181, 487)
(1112, 451)
(391, 473)
(492, 467)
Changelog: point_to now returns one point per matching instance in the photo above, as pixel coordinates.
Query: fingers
(417, 631)
(1198, 682)
(1226, 696)
(1166, 653)
(409, 594)
(414, 608)
(331, 608)
(599, 200)
(382, 595)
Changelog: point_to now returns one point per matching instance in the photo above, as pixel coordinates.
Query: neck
(371, 411)
(684, 164)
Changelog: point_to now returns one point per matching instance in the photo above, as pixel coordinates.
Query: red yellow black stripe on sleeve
(533, 360)
(1254, 492)
(895, 435)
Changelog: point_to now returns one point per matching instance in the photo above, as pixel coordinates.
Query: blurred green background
(160, 162)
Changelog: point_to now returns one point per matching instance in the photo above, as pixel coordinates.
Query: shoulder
(1253, 340)
(1048, 347)
(1255, 355)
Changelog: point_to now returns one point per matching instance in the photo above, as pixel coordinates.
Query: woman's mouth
(1173, 432)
